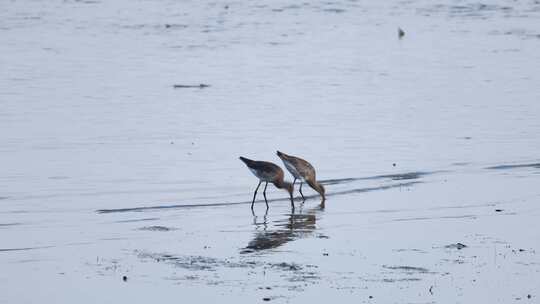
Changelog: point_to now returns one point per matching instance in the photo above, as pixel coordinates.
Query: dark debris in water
(9, 224)
(187, 262)
(405, 176)
(171, 25)
(409, 250)
(334, 10)
(138, 220)
(188, 86)
(454, 261)
(457, 246)
(407, 269)
(401, 34)
(288, 266)
(401, 280)
(518, 250)
(156, 228)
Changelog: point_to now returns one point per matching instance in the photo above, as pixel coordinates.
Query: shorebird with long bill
(304, 171)
(269, 173)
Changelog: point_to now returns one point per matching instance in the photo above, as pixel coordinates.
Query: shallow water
(109, 170)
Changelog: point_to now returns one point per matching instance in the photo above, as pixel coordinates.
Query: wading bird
(303, 171)
(269, 173)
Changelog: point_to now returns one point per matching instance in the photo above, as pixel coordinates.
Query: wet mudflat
(117, 186)
(399, 242)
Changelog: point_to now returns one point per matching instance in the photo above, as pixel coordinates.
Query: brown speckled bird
(303, 171)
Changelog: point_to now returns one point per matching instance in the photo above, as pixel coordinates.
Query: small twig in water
(185, 86)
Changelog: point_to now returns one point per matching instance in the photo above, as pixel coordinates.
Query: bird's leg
(294, 181)
(264, 193)
(302, 194)
(255, 195)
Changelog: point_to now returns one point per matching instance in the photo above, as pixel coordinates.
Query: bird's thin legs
(255, 194)
(302, 194)
(294, 181)
(264, 193)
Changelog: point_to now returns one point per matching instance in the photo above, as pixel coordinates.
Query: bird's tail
(246, 161)
(282, 155)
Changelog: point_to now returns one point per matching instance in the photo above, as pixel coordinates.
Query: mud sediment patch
(408, 269)
(210, 269)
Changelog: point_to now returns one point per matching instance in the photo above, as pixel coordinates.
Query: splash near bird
(304, 171)
(269, 173)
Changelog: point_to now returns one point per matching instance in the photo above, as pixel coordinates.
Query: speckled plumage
(304, 171)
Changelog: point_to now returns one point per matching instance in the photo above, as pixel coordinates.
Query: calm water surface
(419, 141)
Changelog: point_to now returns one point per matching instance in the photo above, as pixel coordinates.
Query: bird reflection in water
(298, 224)
(258, 223)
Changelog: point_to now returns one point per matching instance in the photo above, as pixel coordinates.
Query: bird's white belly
(260, 176)
(293, 170)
